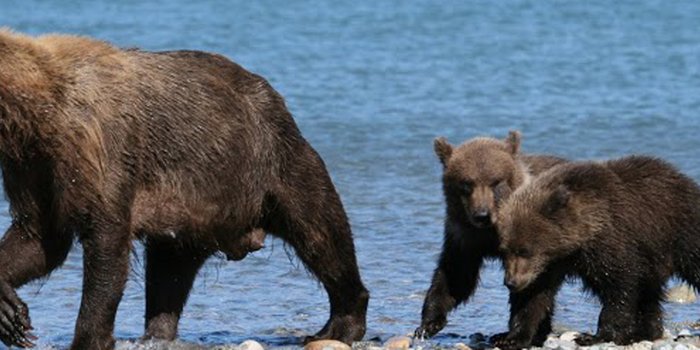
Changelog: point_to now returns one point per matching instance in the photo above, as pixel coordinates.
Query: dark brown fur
(478, 176)
(184, 149)
(624, 227)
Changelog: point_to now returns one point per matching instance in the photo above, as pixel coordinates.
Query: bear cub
(478, 176)
(623, 226)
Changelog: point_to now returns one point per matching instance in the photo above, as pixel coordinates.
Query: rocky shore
(685, 339)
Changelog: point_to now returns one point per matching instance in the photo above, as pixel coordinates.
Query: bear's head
(551, 218)
(478, 175)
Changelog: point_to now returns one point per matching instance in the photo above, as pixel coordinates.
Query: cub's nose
(482, 216)
(509, 282)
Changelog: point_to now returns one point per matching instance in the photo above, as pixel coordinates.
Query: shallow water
(371, 84)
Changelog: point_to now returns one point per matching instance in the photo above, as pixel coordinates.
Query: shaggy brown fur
(478, 176)
(183, 149)
(623, 226)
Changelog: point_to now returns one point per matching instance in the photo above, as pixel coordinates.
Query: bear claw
(587, 339)
(15, 325)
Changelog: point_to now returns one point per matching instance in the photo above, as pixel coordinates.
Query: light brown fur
(183, 149)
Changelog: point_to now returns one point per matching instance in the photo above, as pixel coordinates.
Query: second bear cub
(623, 226)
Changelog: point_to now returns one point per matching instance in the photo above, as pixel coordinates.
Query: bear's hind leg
(650, 322)
(618, 318)
(316, 226)
(171, 268)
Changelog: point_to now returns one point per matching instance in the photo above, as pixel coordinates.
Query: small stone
(642, 345)
(566, 345)
(684, 333)
(662, 345)
(682, 294)
(250, 345)
(551, 343)
(569, 336)
(462, 346)
(326, 345)
(398, 343)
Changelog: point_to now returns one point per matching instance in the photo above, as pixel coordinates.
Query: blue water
(371, 83)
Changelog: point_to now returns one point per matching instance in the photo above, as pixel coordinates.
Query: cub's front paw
(497, 337)
(429, 328)
(503, 342)
(587, 339)
(15, 325)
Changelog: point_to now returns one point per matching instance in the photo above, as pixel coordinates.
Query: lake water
(371, 83)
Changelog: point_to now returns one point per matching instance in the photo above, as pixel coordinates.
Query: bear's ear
(558, 200)
(513, 142)
(443, 150)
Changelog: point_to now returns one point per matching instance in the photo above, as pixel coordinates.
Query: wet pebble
(462, 346)
(569, 336)
(250, 345)
(326, 345)
(551, 343)
(398, 343)
(642, 345)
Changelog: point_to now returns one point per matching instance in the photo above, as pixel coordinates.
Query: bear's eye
(496, 183)
(522, 252)
(467, 187)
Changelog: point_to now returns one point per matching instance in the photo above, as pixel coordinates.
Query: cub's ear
(513, 142)
(558, 200)
(443, 150)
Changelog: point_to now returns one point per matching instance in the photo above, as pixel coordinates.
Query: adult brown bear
(183, 149)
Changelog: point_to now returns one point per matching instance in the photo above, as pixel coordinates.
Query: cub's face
(479, 175)
(538, 226)
(525, 250)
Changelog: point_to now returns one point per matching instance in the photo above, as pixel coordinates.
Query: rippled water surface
(371, 83)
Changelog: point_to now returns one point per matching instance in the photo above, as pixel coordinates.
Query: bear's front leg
(106, 244)
(25, 256)
(530, 314)
(454, 281)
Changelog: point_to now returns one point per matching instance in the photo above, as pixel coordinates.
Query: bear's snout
(482, 216)
(520, 272)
